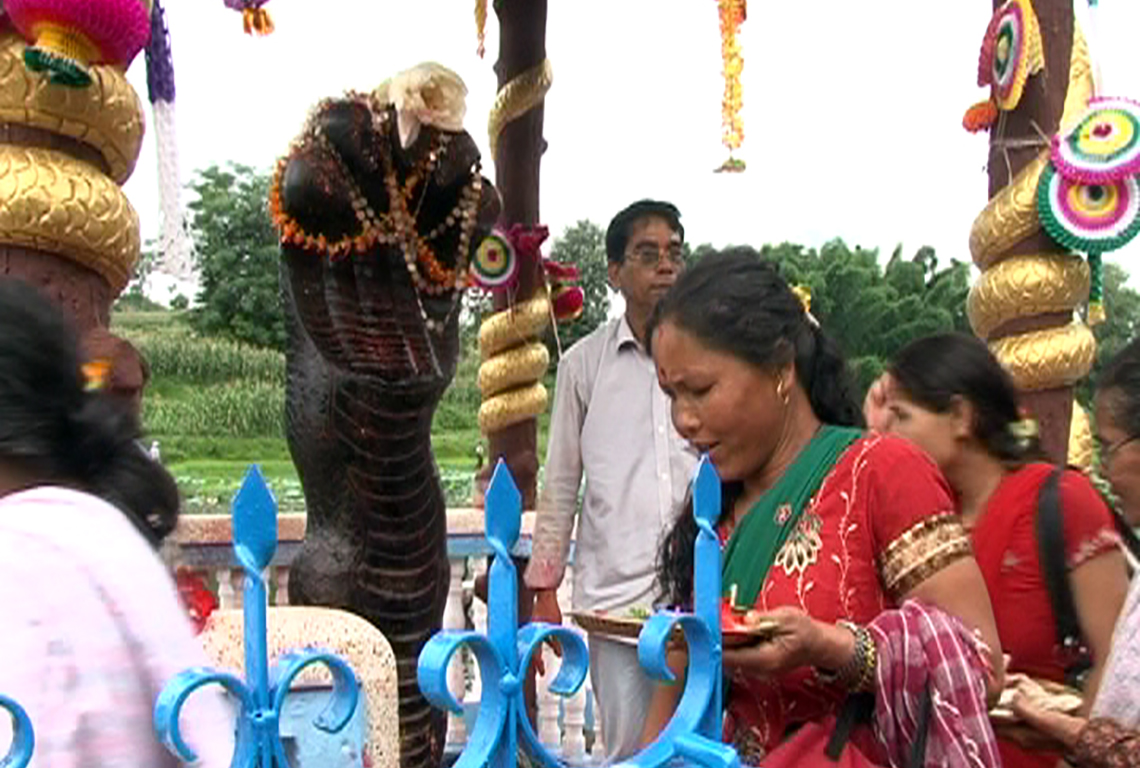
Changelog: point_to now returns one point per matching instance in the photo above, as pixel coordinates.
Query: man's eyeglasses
(648, 255)
(1108, 450)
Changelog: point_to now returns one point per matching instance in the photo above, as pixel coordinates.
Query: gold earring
(781, 392)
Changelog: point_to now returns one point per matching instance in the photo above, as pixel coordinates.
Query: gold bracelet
(858, 674)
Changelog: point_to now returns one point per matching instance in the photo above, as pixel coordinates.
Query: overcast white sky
(852, 110)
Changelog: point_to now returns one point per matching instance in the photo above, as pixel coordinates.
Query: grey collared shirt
(611, 425)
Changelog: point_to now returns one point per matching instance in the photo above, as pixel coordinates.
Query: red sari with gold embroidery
(882, 522)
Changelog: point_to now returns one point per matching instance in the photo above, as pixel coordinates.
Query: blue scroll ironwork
(692, 735)
(23, 736)
(262, 695)
(504, 653)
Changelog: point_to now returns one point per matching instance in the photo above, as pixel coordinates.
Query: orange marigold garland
(481, 24)
(732, 15)
(981, 116)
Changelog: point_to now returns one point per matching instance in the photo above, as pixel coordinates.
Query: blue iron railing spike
(504, 653)
(23, 736)
(255, 522)
(262, 695)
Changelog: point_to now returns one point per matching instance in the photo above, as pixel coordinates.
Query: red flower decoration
(197, 598)
(528, 240)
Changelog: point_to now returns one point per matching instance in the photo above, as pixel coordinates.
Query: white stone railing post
(281, 585)
(548, 731)
(455, 618)
(574, 721)
(478, 622)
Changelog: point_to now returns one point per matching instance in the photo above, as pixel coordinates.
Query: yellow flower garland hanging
(732, 14)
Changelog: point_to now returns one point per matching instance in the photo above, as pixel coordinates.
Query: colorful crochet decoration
(1104, 146)
(66, 37)
(1094, 218)
(1012, 50)
(495, 266)
(255, 19)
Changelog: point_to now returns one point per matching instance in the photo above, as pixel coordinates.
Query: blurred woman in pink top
(93, 627)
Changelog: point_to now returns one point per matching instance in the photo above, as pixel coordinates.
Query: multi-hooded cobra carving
(375, 242)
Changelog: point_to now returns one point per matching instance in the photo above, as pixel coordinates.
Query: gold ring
(53, 202)
(520, 365)
(1009, 217)
(1081, 446)
(511, 407)
(1049, 358)
(1024, 286)
(511, 327)
(107, 115)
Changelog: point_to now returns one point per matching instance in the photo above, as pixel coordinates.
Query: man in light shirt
(611, 423)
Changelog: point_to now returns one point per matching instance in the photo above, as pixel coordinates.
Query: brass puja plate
(596, 622)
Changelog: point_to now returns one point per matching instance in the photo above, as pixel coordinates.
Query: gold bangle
(107, 115)
(58, 204)
(521, 365)
(511, 407)
(1024, 286)
(514, 326)
(1049, 358)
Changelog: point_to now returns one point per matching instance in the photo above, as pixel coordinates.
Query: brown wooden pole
(1039, 111)
(522, 46)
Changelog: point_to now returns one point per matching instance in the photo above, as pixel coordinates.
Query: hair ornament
(1024, 430)
(803, 293)
(95, 374)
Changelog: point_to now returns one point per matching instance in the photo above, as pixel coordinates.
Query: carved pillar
(66, 226)
(1024, 301)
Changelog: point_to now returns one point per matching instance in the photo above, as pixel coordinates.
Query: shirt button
(661, 430)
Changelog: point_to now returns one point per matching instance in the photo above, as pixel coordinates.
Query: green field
(215, 407)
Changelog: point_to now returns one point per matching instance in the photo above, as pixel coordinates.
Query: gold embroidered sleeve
(921, 551)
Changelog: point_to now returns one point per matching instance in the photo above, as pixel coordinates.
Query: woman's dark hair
(935, 370)
(737, 303)
(1120, 383)
(54, 428)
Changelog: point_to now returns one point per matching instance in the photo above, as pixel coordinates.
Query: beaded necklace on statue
(396, 227)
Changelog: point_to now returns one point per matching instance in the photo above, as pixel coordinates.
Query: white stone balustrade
(206, 547)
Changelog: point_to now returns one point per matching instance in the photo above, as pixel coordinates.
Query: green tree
(874, 311)
(584, 246)
(1122, 323)
(237, 254)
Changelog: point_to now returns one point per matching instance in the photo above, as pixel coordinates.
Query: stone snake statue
(376, 239)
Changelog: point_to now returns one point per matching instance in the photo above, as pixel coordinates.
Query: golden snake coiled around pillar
(107, 115)
(1033, 284)
(514, 357)
(53, 202)
(521, 94)
(511, 346)
(1024, 286)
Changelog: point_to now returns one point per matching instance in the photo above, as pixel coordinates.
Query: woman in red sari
(828, 533)
(949, 395)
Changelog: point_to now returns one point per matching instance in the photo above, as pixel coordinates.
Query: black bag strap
(918, 749)
(1051, 548)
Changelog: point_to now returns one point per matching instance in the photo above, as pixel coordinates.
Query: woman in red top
(949, 395)
(829, 532)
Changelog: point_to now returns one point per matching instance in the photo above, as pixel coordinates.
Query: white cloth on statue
(610, 423)
(622, 692)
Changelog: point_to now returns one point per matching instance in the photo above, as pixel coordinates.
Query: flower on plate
(427, 94)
